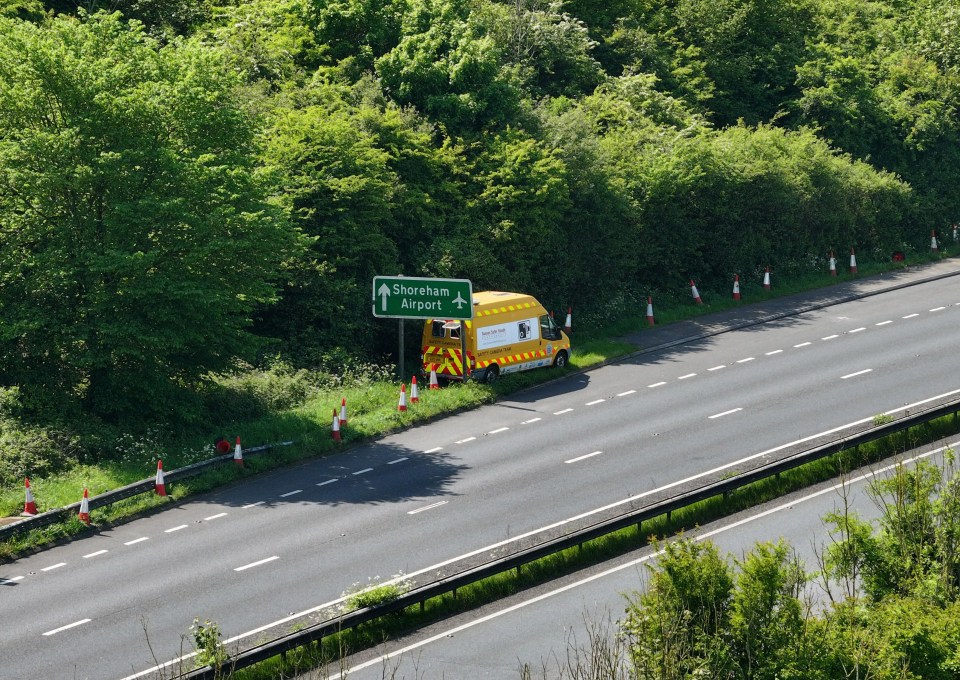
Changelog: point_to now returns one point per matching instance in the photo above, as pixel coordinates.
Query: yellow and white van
(509, 332)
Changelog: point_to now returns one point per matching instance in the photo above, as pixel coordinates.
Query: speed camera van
(509, 332)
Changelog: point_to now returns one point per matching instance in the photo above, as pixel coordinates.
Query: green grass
(372, 412)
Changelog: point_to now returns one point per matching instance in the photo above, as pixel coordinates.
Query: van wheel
(561, 360)
(491, 374)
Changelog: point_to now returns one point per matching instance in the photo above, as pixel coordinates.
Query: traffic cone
(238, 453)
(335, 427)
(650, 310)
(695, 293)
(414, 393)
(29, 505)
(434, 383)
(159, 486)
(933, 240)
(736, 286)
(833, 264)
(343, 411)
(84, 514)
(566, 324)
(853, 262)
(766, 279)
(402, 406)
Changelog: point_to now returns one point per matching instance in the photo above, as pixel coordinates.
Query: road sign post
(407, 297)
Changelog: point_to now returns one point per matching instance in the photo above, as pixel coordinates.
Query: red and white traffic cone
(402, 405)
(566, 324)
(933, 240)
(238, 453)
(649, 310)
(695, 293)
(29, 505)
(833, 264)
(343, 411)
(766, 279)
(335, 427)
(434, 383)
(158, 485)
(853, 262)
(84, 514)
(414, 392)
(736, 286)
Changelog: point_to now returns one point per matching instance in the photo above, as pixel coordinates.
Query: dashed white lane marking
(857, 330)
(329, 481)
(662, 382)
(363, 471)
(257, 563)
(434, 449)
(94, 554)
(292, 493)
(595, 402)
(884, 323)
(853, 375)
(426, 507)
(498, 430)
(69, 625)
(138, 540)
(562, 411)
(252, 505)
(54, 566)
(623, 394)
(170, 531)
(532, 420)
(464, 441)
(938, 309)
(802, 344)
(725, 413)
(909, 316)
(217, 516)
(717, 368)
(398, 460)
(688, 375)
(743, 361)
(589, 455)
(776, 351)
(12, 579)
(830, 337)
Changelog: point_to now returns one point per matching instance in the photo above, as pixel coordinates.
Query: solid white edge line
(170, 531)
(217, 516)
(98, 552)
(631, 499)
(613, 570)
(54, 566)
(257, 563)
(291, 493)
(853, 375)
(69, 625)
(589, 455)
(725, 413)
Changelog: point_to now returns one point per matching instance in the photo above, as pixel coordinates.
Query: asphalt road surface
(284, 547)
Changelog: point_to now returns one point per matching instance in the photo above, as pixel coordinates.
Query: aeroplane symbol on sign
(459, 301)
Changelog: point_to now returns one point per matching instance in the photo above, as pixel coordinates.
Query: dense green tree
(135, 238)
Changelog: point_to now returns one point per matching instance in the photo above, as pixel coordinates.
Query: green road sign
(404, 297)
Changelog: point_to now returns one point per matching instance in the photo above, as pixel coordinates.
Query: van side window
(549, 330)
(438, 330)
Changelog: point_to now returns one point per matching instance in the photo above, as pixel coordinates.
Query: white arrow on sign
(383, 292)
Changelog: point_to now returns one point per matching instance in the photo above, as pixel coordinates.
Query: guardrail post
(518, 571)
